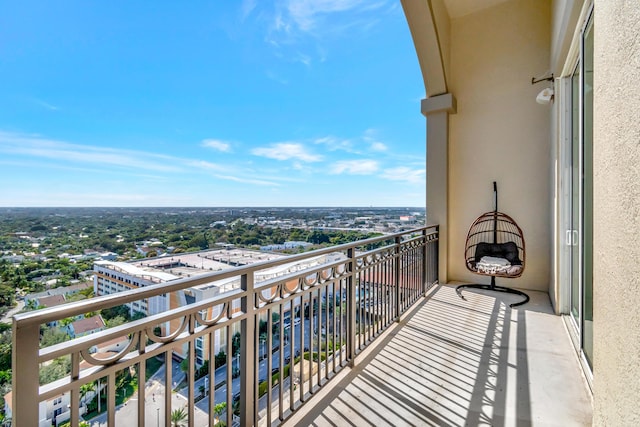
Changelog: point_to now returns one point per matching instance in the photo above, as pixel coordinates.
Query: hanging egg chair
(495, 247)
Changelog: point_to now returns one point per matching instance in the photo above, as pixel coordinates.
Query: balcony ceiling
(458, 8)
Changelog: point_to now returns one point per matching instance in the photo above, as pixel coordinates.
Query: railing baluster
(333, 324)
(111, 399)
(248, 374)
(292, 354)
(168, 388)
(228, 398)
(141, 391)
(281, 362)
(142, 378)
(311, 331)
(75, 395)
(269, 365)
(302, 345)
(191, 373)
(351, 302)
(367, 311)
(212, 373)
(396, 279)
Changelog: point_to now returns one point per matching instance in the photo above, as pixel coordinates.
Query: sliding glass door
(579, 230)
(587, 193)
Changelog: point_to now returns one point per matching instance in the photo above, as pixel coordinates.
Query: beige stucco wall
(617, 213)
(499, 132)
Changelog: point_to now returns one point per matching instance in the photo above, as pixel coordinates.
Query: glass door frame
(572, 235)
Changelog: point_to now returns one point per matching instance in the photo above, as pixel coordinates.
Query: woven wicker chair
(495, 247)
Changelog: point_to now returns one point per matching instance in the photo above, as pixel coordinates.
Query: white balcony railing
(296, 332)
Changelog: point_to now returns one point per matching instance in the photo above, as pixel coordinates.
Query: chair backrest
(494, 228)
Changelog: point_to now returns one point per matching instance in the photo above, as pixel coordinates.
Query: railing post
(396, 279)
(351, 314)
(26, 370)
(74, 402)
(425, 262)
(247, 351)
(437, 255)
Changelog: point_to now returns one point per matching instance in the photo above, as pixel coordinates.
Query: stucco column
(437, 109)
(616, 214)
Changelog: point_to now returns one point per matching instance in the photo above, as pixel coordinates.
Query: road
(127, 413)
(9, 314)
(221, 372)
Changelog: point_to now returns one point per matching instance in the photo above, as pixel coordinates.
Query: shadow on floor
(451, 362)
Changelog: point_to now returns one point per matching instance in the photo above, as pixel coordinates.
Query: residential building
(49, 300)
(50, 412)
(39, 297)
(112, 277)
(86, 326)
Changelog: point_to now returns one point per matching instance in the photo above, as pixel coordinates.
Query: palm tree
(85, 389)
(219, 409)
(179, 417)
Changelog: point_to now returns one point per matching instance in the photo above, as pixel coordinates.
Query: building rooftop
(172, 267)
(88, 324)
(167, 268)
(51, 301)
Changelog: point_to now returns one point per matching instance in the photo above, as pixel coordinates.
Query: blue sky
(209, 103)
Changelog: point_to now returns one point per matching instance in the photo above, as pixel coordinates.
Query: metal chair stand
(494, 287)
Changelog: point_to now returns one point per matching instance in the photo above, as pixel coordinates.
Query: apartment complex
(112, 277)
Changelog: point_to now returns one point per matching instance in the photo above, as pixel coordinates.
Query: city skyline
(285, 103)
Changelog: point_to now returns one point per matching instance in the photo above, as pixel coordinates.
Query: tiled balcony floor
(451, 362)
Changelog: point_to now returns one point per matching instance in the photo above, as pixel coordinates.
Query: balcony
(451, 362)
(366, 335)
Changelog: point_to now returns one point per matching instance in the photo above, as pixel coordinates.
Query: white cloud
(333, 144)
(37, 146)
(299, 30)
(276, 78)
(370, 137)
(207, 166)
(248, 180)
(355, 167)
(403, 173)
(103, 159)
(217, 144)
(378, 146)
(247, 7)
(357, 145)
(304, 59)
(46, 105)
(306, 14)
(286, 151)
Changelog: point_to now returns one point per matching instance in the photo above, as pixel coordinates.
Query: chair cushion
(508, 251)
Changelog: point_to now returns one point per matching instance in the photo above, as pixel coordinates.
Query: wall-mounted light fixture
(546, 95)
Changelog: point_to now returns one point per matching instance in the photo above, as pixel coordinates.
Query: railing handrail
(51, 314)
